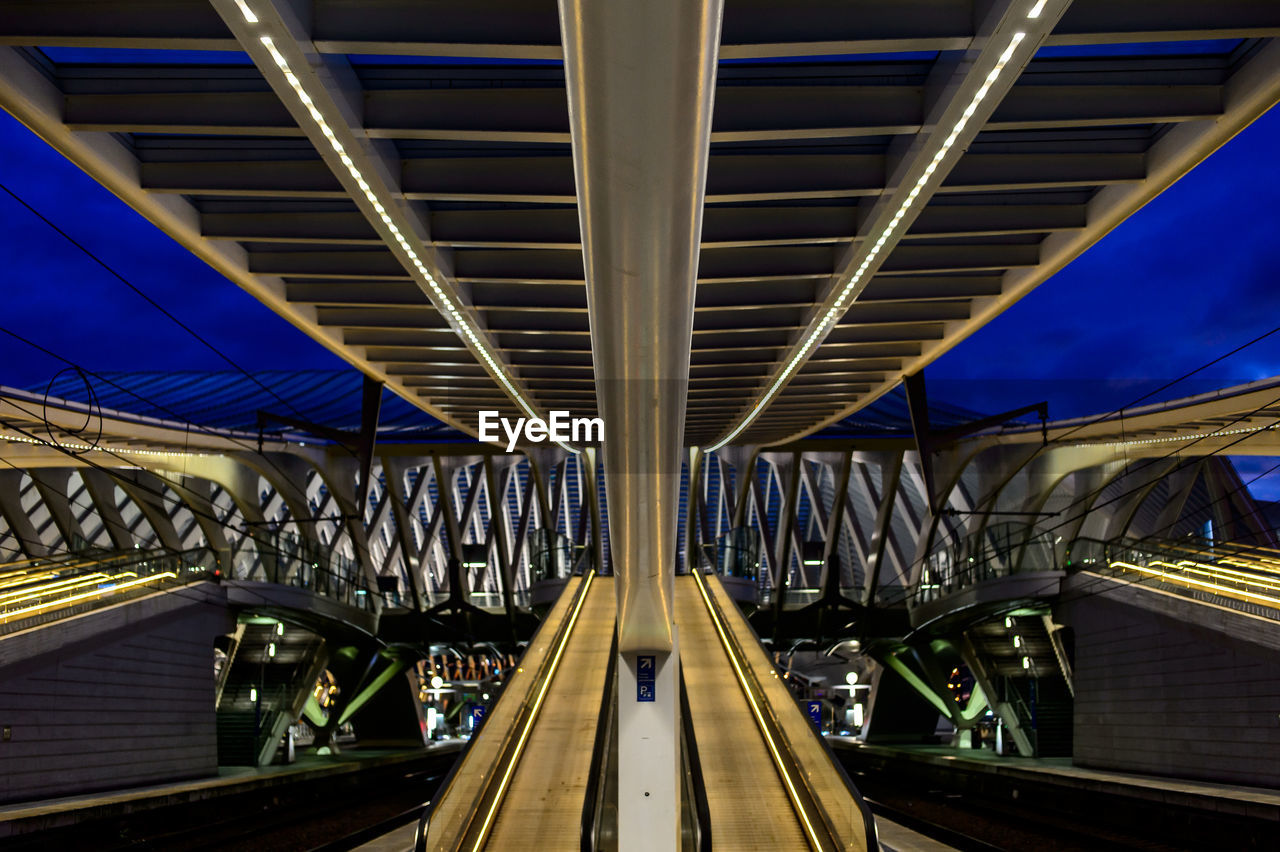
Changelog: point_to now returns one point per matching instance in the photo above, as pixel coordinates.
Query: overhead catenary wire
(1119, 412)
(248, 446)
(147, 298)
(160, 495)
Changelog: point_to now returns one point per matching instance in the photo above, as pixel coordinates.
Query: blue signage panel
(815, 712)
(646, 677)
(477, 716)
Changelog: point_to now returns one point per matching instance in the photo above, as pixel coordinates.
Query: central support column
(641, 77)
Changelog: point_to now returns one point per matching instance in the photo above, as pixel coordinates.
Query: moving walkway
(35, 592)
(538, 775)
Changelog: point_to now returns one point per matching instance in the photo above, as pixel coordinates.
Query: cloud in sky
(1188, 278)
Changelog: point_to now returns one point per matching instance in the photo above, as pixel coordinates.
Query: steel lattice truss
(862, 500)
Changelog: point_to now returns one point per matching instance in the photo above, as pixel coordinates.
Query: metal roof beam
(324, 98)
(1006, 41)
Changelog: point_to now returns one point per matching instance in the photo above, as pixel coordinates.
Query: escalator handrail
(604, 722)
(428, 809)
(868, 819)
(491, 794)
(814, 817)
(700, 805)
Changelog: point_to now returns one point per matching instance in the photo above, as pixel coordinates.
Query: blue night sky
(1185, 280)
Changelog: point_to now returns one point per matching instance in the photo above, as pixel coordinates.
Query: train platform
(24, 818)
(1256, 802)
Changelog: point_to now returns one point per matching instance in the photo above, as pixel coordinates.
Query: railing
(1235, 576)
(594, 829)
(294, 561)
(37, 592)
(821, 831)
(695, 788)
(1000, 550)
(737, 554)
(552, 556)
(346, 587)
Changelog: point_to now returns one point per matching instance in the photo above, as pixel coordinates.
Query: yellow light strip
(756, 711)
(534, 709)
(847, 296)
(1223, 573)
(51, 588)
(1189, 581)
(26, 578)
(1266, 565)
(450, 307)
(61, 602)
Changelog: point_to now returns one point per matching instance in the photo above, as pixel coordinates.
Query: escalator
(771, 782)
(523, 780)
(541, 773)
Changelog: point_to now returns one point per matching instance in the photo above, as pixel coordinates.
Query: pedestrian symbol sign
(646, 677)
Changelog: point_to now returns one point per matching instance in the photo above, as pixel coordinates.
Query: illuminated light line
(1266, 570)
(22, 581)
(61, 602)
(247, 12)
(1235, 554)
(1224, 574)
(1193, 437)
(532, 717)
(1033, 14)
(1267, 565)
(1225, 591)
(758, 713)
(53, 588)
(865, 268)
(23, 439)
(453, 312)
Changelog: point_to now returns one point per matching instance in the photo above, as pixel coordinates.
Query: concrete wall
(121, 696)
(1170, 687)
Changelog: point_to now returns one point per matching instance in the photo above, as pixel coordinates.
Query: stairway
(1026, 671)
(272, 670)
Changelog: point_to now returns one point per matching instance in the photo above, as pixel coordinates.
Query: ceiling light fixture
(449, 306)
(864, 269)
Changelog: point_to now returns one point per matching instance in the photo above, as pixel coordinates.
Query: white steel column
(641, 77)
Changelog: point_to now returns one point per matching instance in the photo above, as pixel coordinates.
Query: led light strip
(23, 439)
(61, 602)
(774, 749)
(1172, 438)
(463, 325)
(1225, 591)
(532, 718)
(10, 580)
(846, 297)
(55, 587)
(1262, 578)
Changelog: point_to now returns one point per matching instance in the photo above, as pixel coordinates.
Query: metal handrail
(604, 728)
(1117, 559)
(976, 558)
(174, 566)
(491, 794)
(816, 821)
(701, 807)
